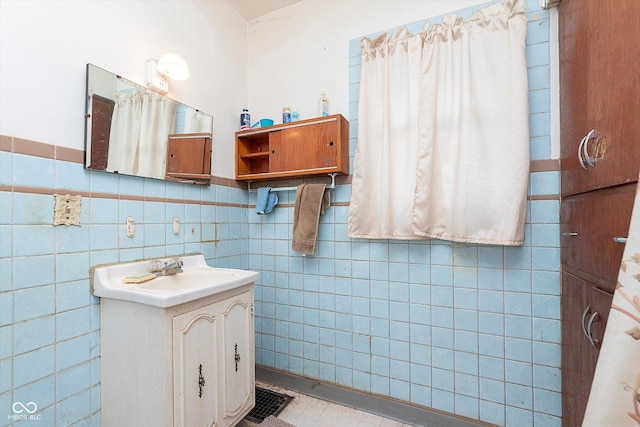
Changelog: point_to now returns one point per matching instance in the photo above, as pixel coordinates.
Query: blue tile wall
(472, 330)
(49, 321)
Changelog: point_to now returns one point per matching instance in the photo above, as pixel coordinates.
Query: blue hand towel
(267, 200)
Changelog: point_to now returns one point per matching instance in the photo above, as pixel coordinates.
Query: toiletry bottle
(245, 119)
(323, 105)
(286, 115)
(295, 116)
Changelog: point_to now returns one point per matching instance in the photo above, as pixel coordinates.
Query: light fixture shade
(173, 66)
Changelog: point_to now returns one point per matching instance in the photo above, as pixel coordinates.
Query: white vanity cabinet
(191, 365)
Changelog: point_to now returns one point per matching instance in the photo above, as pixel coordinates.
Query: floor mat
(267, 403)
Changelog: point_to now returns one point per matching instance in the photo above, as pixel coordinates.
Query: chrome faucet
(167, 268)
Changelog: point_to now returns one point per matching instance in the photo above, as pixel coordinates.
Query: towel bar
(329, 186)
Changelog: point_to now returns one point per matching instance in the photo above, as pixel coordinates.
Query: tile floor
(307, 411)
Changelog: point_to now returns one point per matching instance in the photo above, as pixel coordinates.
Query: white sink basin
(196, 281)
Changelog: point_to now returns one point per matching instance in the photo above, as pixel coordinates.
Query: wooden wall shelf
(307, 148)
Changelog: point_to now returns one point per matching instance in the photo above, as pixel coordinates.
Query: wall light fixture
(169, 66)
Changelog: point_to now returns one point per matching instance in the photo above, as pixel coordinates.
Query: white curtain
(384, 164)
(158, 121)
(141, 124)
(124, 134)
(443, 137)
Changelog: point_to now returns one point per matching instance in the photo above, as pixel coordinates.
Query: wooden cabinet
(600, 160)
(591, 224)
(590, 261)
(585, 312)
(182, 366)
(599, 87)
(189, 158)
(306, 148)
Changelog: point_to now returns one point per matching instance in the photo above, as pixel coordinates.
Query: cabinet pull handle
(236, 357)
(591, 161)
(200, 381)
(595, 317)
(620, 239)
(569, 233)
(585, 313)
(580, 159)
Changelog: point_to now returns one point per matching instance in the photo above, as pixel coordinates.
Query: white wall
(45, 46)
(299, 51)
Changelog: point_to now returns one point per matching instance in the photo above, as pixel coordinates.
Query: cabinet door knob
(580, 159)
(236, 356)
(584, 157)
(620, 239)
(585, 313)
(595, 317)
(591, 161)
(569, 233)
(200, 381)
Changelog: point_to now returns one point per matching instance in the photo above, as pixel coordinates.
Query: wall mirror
(133, 130)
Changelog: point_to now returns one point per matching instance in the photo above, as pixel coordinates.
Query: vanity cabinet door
(238, 387)
(195, 367)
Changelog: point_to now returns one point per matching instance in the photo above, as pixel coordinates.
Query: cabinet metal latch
(201, 381)
(236, 357)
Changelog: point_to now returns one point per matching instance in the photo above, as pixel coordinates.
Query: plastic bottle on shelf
(323, 105)
(245, 119)
(286, 115)
(295, 116)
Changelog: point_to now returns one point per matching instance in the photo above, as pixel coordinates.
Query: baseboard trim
(385, 407)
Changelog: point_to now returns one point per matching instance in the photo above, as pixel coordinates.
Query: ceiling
(251, 9)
